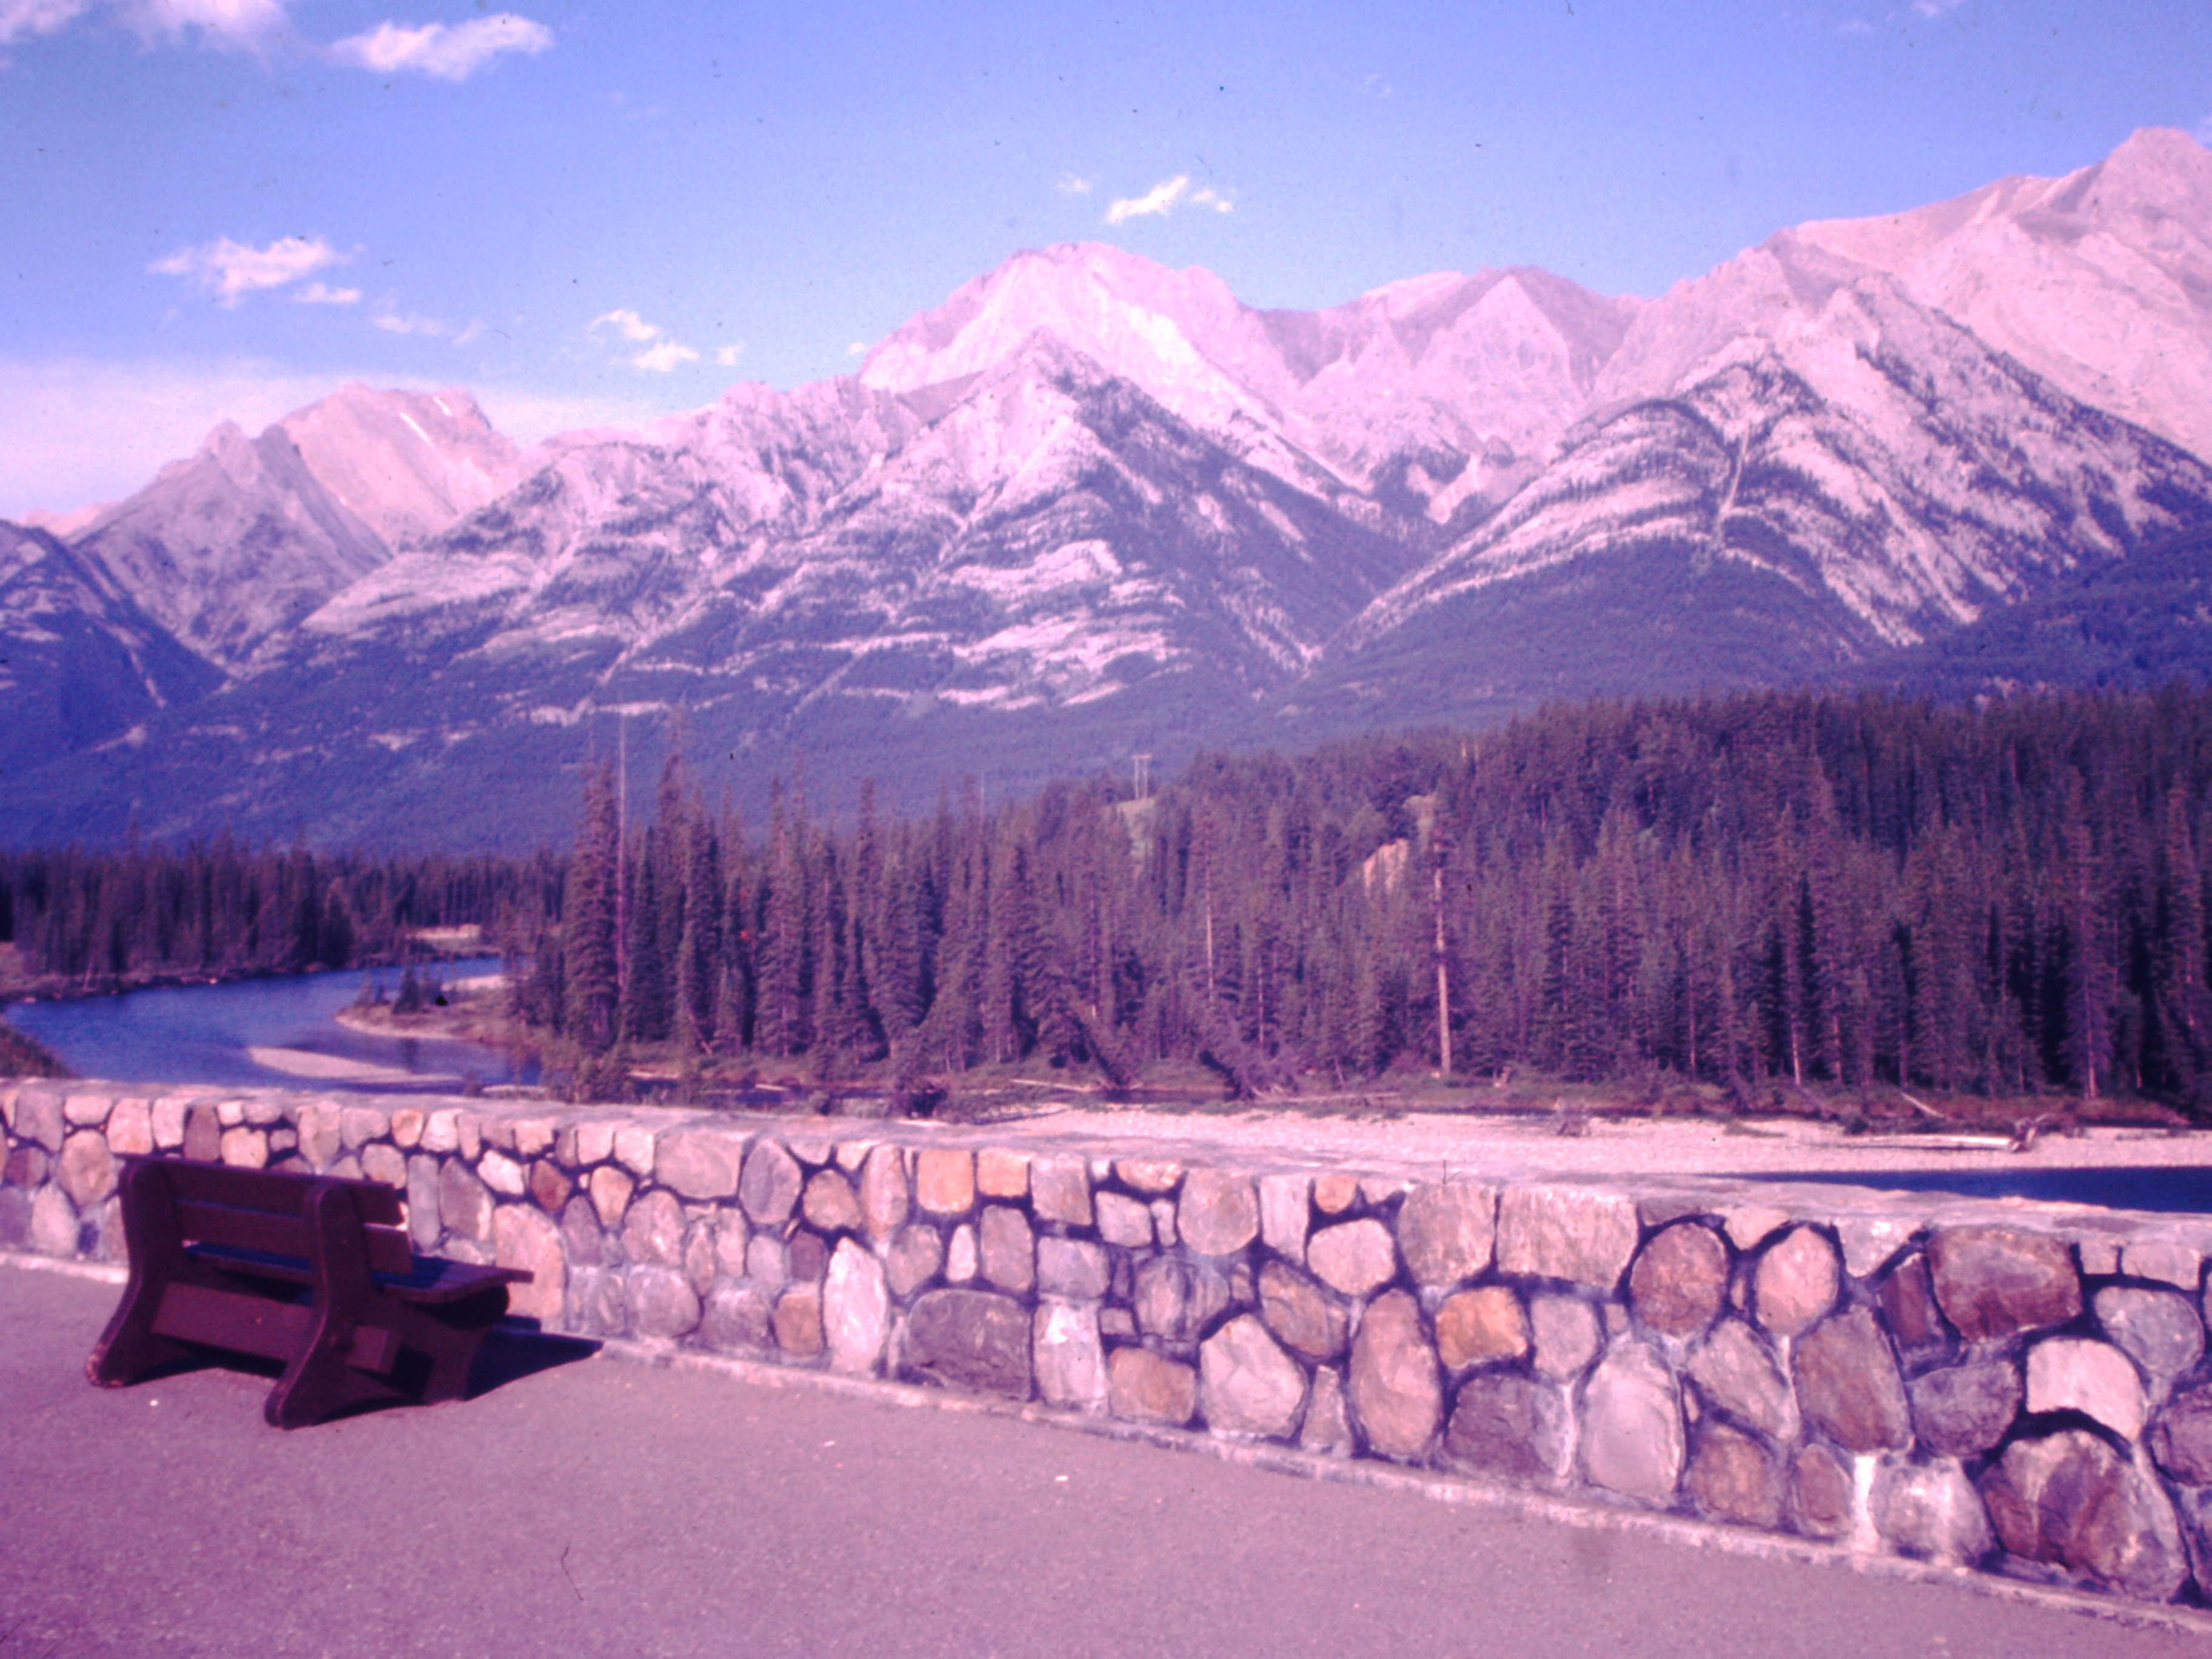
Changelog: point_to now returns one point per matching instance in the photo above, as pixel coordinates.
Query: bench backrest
(265, 1211)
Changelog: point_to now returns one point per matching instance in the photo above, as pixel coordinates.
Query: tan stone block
(85, 1168)
(829, 1202)
(2075, 1374)
(799, 1320)
(886, 1201)
(1481, 1327)
(699, 1164)
(1302, 1315)
(230, 1113)
(653, 1230)
(635, 1148)
(1285, 1213)
(264, 1111)
(1059, 1190)
(1632, 1434)
(1002, 1174)
(1007, 1248)
(1219, 1213)
(1153, 1177)
(1581, 1234)
(1396, 1393)
(945, 1180)
(462, 1204)
(526, 1238)
(1354, 1257)
(549, 1185)
(1993, 1281)
(358, 1124)
(1796, 1282)
(1680, 1281)
(387, 1164)
(86, 1111)
(501, 1173)
(1447, 1232)
(1247, 1384)
(245, 1149)
(1065, 1356)
(168, 1123)
(769, 1186)
(1147, 1388)
(1849, 1386)
(610, 1189)
(319, 1140)
(441, 1130)
(595, 1140)
(1124, 1220)
(533, 1136)
(407, 1122)
(855, 1306)
(131, 1127)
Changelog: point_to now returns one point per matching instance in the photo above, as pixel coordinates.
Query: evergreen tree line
(1858, 893)
(215, 909)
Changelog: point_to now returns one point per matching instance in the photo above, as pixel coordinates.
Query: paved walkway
(603, 1507)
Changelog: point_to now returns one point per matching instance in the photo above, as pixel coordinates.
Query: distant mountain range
(1091, 509)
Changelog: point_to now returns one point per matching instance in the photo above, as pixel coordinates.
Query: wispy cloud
(1855, 26)
(1164, 197)
(728, 356)
(661, 355)
(1373, 86)
(445, 52)
(664, 356)
(857, 348)
(1072, 184)
(1936, 8)
(628, 324)
(231, 270)
(20, 18)
(411, 325)
(321, 293)
(242, 25)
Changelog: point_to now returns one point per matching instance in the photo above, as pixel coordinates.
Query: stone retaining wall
(2022, 1389)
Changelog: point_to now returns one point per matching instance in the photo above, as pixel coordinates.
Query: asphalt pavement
(595, 1505)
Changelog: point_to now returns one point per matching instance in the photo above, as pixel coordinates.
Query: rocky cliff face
(1089, 507)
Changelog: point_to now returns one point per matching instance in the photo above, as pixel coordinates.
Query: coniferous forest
(1764, 890)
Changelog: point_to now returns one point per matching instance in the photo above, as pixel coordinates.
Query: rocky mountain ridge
(1089, 507)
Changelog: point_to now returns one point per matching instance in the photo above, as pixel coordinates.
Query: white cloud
(664, 358)
(231, 270)
(1374, 86)
(250, 25)
(1936, 8)
(1164, 197)
(410, 326)
(728, 356)
(628, 324)
(1072, 184)
(1855, 26)
(857, 348)
(320, 294)
(19, 18)
(1160, 199)
(445, 52)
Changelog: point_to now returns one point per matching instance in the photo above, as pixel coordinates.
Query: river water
(259, 1031)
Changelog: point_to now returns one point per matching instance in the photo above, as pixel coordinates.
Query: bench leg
(320, 1382)
(128, 1349)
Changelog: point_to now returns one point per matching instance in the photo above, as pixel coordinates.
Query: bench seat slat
(427, 1280)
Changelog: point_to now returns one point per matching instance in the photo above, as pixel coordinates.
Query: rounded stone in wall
(1680, 1281)
(1733, 1477)
(1796, 1282)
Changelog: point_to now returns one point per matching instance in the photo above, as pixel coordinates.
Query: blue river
(206, 1034)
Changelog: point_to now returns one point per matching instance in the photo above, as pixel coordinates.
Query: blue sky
(587, 212)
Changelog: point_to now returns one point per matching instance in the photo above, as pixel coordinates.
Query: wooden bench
(309, 1270)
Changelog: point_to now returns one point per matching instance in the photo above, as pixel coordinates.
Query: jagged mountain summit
(1089, 507)
(238, 543)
